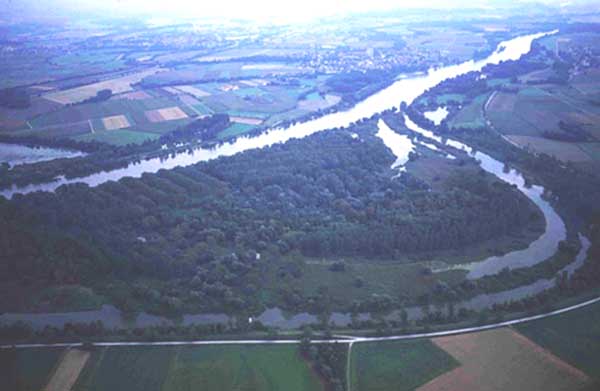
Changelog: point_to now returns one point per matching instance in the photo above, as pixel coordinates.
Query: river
(403, 90)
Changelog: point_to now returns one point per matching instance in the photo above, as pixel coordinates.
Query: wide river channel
(403, 90)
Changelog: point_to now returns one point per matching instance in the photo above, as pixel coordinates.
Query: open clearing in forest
(166, 114)
(115, 122)
(67, 372)
(503, 359)
(117, 86)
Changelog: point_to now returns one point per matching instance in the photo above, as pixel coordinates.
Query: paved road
(338, 339)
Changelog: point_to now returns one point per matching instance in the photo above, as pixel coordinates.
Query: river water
(403, 90)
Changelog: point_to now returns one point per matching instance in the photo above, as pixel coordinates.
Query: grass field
(235, 129)
(574, 337)
(470, 116)
(125, 368)
(223, 368)
(27, 369)
(502, 359)
(251, 368)
(117, 86)
(118, 137)
(568, 152)
(398, 365)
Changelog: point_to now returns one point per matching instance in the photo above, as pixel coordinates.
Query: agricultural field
(197, 73)
(397, 365)
(118, 137)
(471, 115)
(234, 130)
(166, 114)
(225, 368)
(27, 369)
(117, 86)
(457, 44)
(137, 368)
(67, 371)
(228, 368)
(530, 115)
(574, 337)
(250, 103)
(567, 152)
(502, 359)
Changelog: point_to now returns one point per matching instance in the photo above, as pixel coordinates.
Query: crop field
(588, 82)
(115, 122)
(66, 373)
(233, 54)
(397, 365)
(314, 103)
(22, 68)
(194, 91)
(462, 44)
(134, 95)
(166, 114)
(126, 368)
(470, 116)
(537, 76)
(246, 120)
(235, 129)
(252, 368)
(118, 137)
(502, 102)
(574, 337)
(117, 86)
(61, 131)
(592, 150)
(196, 73)
(27, 369)
(84, 112)
(502, 359)
(567, 152)
(445, 98)
(223, 368)
(534, 110)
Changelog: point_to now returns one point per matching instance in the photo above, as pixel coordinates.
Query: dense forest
(197, 238)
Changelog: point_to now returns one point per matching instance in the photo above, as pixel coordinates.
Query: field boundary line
(91, 126)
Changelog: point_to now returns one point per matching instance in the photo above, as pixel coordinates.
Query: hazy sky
(284, 10)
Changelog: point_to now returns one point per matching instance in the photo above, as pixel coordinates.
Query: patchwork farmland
(503, 360)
